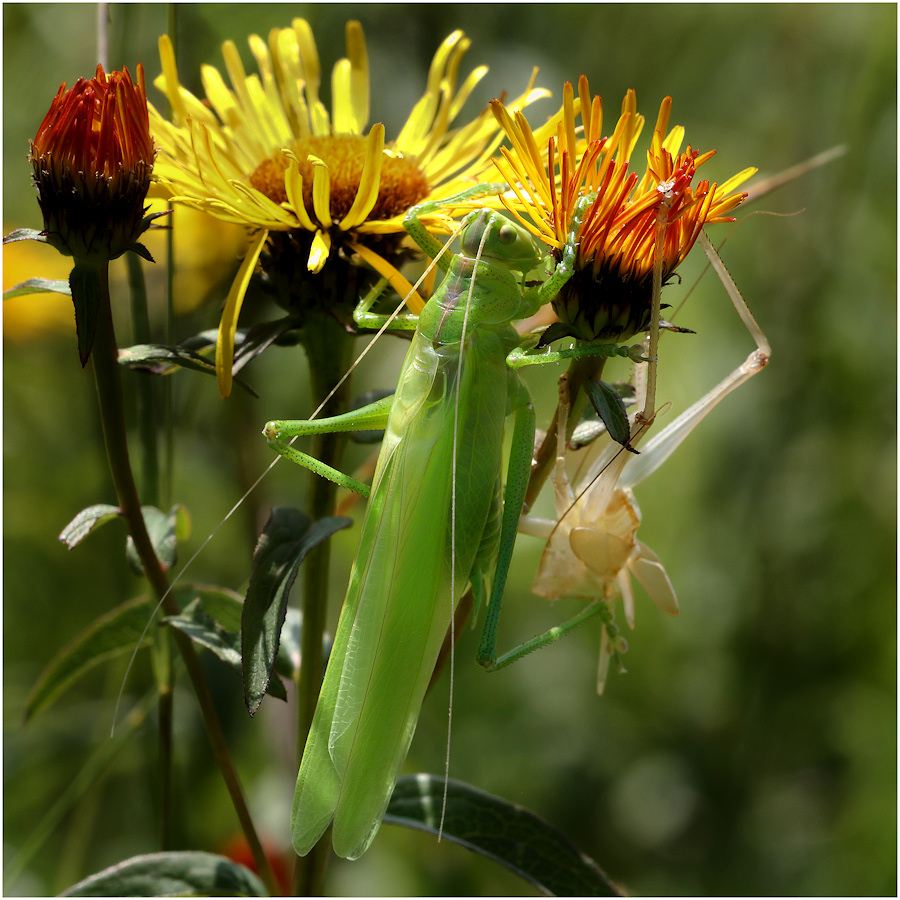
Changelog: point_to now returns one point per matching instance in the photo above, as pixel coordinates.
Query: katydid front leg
(373, 417)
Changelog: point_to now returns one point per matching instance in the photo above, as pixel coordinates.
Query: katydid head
(506, 242)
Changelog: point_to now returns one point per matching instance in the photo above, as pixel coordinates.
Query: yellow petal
(293, 184)
(321, 191)
(466, 89)
(411, 297)
(569, 120)
(735, 181)
(369, 181)
(289, 69)
(359, 75)
(318, 253)
(228, 322)
(673, 142)
(170, 72)
(312, 75)
(341, 107)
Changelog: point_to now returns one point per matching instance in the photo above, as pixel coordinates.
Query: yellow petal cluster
(265, 152)
(570, 183)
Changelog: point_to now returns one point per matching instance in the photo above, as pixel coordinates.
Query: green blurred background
(751, 748)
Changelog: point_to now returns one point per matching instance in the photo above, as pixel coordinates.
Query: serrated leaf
(115, 633)
(508, 834)
(85, 522)
(177, 873)
(609, 406)
(38, 286)
(204, 630)
(163, 531)
(287, 537)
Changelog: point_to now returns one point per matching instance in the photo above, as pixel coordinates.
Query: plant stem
(109, 393)
(328, 350)
(149, 428)
(579, 372)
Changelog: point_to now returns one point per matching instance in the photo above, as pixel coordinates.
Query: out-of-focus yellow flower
(34, 316)
(570, 183)
(92, 158)
(326, 189)
(207, 251)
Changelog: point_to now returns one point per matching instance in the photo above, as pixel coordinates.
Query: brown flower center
(402, 184)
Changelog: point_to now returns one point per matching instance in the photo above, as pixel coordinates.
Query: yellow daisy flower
(266, 154)
(566, 178)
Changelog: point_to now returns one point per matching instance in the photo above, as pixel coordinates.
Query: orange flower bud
(92, 159)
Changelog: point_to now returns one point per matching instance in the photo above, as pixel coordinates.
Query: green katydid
(435, 522)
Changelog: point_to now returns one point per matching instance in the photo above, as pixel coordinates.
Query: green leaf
(204, 630)
(118, 632)
(553, 333)
(510, 835)
(86, 521)
(162, 360)
(177, 873)
(609, 406)
(38, 286)
(149, 357)
(84, 282)
(25, 234)
(287, 537)
(591, 425)
(164, 530)
(224, 605)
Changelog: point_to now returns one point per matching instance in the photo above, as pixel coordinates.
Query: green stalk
(580, 371)
(109, 394)
(148, 428)
(329, 350)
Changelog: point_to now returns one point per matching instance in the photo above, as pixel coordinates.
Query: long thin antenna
(462, 344)
(265, 472)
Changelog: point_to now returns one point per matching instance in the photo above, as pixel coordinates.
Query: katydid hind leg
(518, 470)
(662, 445)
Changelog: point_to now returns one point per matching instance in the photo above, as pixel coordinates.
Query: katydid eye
(507, 234)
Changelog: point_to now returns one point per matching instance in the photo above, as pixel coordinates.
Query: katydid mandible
(434, 523)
